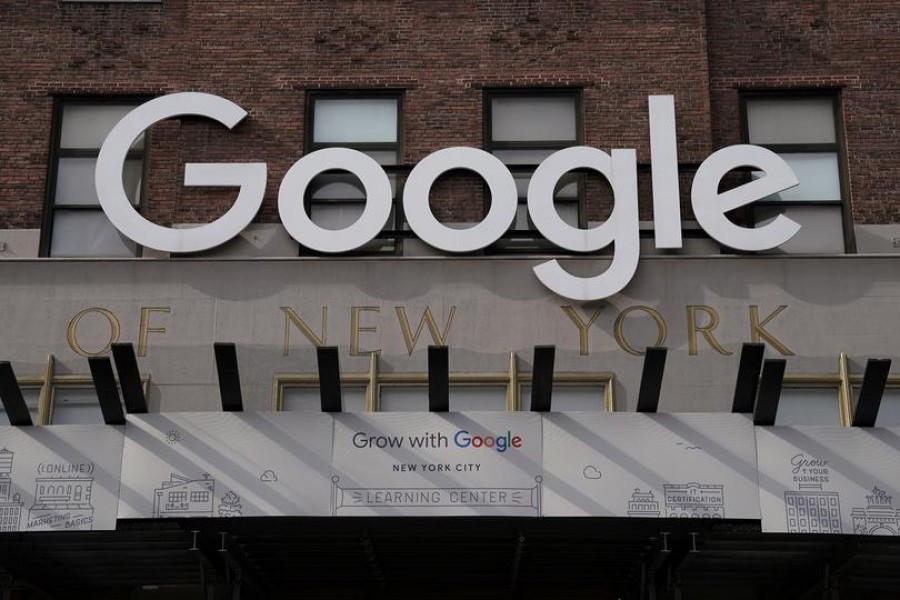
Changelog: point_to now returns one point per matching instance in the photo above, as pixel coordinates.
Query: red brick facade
(265, 56)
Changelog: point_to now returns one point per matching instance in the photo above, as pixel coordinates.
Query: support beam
(438, 378)
(542, 378)
(329, 378)
(229, 377)
(769, 392)
(748, 378)
(874, 382)
(517, 561)
(11, 396)
(129, 378)
(107, 390)
(651, 379)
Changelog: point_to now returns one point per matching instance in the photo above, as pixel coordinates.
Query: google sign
(619, 168)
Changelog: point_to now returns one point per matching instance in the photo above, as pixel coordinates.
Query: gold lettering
(145, 329)
(620, 328)
(758, 331)
(706, 330)
(72, 331)
(356, 328)
(440, 338)
(584, 343)
(291, 316)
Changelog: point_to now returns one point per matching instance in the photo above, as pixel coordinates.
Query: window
(72, 405)
(199, 496)
(808, 406)
(366, 121)
(307, 398)
(810, 399)
(474, 396)
(74, 223)
(374, 391)
(569, 398)
(805, 130)
(32, 396)
(522, 128)
(889, 409)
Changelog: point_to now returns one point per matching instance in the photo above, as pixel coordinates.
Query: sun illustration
(173, 436)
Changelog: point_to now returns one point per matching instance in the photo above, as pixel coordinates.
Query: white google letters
(250, 177)
(619, 168)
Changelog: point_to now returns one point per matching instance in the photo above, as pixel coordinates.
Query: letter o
(370, 222)
(431, 231)
(114, 331)
(619, 329)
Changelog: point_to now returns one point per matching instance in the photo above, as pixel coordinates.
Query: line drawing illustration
(62, 502)
(879, 517)
(529, 498)
(173, 436)
(591, 472)
(643, 504)
(694, 500)
(10, 504)
(230, 505)
(810, 509)
(181, 496)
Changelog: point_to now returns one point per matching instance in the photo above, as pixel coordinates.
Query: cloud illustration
(268, 476)
(591, 472)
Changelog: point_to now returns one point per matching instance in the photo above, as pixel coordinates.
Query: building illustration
(643, 504)
(879, 517)
(812, 510)
(184, 497)
(61, 503)
(10, 506)
(695, 500)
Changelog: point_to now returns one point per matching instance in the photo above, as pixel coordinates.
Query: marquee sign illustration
(829, 480)
(676, 465)
(212, 464)
(62, 478)
(704, 466)
(437, 464)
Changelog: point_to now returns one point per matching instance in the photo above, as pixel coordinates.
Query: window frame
(856, 381)
(31, 384)
(838, 147)
(57, 153)
(832, 382)
(490, 146)
(603, 381)
(397, 170)
(77, 382)
(511, 381)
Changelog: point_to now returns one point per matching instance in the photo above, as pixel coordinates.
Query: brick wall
(849, 46)
(264, 55)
